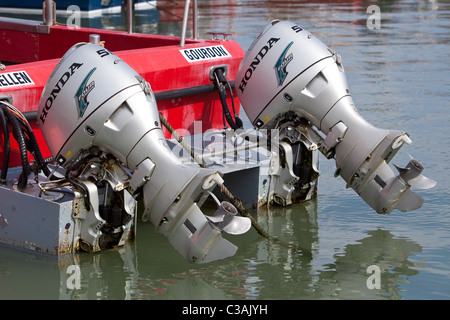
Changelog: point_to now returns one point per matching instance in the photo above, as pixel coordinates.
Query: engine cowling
(288, 70)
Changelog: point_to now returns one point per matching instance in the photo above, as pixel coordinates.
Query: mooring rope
(245, 212)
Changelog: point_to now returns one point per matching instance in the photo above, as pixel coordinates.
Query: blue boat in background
(88, 8)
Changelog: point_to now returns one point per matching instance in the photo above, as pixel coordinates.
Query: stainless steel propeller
(225, 219)
(411, 175)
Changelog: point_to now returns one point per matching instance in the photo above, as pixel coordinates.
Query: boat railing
(185, 22)
(15, 24)
(184, 25)
(130, 16)
(48, 13)
(49, 19)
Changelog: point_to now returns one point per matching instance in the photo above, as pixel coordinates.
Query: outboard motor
(101, 123)
(289, 73)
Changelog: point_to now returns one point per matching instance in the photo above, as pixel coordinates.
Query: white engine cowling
(94, 99)
(287, 69)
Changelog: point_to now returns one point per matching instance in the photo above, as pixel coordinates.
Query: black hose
(226, 111)
(6, 146)
(221, 82)
(237, 120)
(18, 135)
(42, 164)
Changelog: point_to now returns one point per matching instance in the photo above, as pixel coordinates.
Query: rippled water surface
(399, 79)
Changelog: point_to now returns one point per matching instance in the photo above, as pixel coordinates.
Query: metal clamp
(221, 33)
(212, 72)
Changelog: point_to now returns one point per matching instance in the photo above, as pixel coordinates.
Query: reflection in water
(146, 269)
(278, 267)
(348, 275)
(396, 74)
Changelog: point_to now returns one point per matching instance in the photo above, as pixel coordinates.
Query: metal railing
(49, 19)
(185, 22)
(48, 13)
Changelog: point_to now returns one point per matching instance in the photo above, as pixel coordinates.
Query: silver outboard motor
(288, 71)
(101, 123)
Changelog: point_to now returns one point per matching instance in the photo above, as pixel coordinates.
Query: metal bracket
(221, 33)
(142, 174)
(212, 75)
(7, 99)
(335, 136)
(88, 224)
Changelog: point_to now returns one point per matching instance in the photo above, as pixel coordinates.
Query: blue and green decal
(83, 92)
(282, 62)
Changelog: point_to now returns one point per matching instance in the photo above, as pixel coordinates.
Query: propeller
(412, 176)
(409, 201)
(225, 219)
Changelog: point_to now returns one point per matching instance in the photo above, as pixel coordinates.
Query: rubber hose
(38, 155)
(226, 111)
(6, 146)
(18, 135)
(234, 124)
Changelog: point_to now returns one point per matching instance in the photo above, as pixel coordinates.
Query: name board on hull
(205, 53)
(14, 79)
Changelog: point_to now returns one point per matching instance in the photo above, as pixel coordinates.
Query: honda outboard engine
(289, 74)
(101, 123)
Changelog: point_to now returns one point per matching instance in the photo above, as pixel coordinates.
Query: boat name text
(15, 79)
(59, 85)
(205, 53)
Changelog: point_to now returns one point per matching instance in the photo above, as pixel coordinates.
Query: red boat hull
(169, 69)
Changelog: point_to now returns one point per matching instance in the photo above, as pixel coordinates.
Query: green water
(398, 76)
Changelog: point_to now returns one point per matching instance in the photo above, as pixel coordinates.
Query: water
(398, 77)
